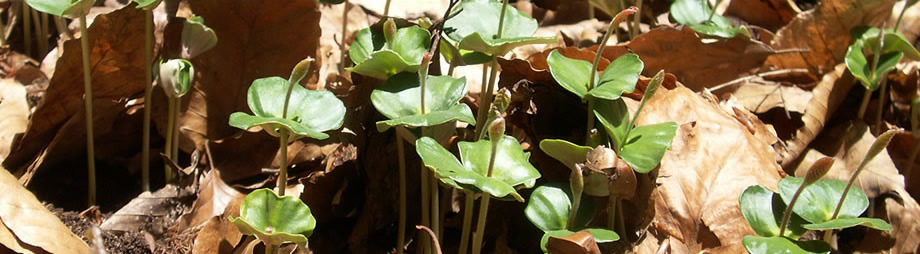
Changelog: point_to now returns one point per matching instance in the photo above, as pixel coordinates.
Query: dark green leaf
(288, 218)
(614, 116)
(400, 101)
(646, 145)
(603, 235)
(619, 77)
(572, 74)
(850, 222)
(549, 207)
(817, 202)
(310, 113)
(776, 244)
(763, 210)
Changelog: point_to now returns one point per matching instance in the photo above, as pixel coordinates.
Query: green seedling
(176, 77)
(275, 220)
(492, 29)
(78, 9)
(384, 50)
(286, 110)
(147, 6)
(697, 15)
(550, 208)
(886, 53)
(493, 168)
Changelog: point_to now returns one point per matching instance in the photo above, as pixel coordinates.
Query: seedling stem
(486, 91)
(877, 53)
(467, 222)
(597, 58)
(386, 9)
(282, 174)
(88, 105)
(148, 98)
(401, 237)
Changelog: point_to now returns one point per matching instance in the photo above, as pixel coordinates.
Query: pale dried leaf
(761, 97)
(213, 197)
(825, 32)
(218, 235)
(14, 113)
(769, 14)
(827, 97)
(712, 160)
(330, 55)
(407, 9)
(910, 23)
(31, 222)
(145, 209)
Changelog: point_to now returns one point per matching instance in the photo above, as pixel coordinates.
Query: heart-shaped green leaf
(310, 113)
(375, 57)
(614, 116)
(571, 74)
(549, 207)
(817, 202)
(511, 167)
(619, 77)
(145, 4)
(763, 210)
(274, 219)
(646, 145)
(72, 9)
(894, 41)
(197, 37)
(776, 244)
(875, 223)
(400, 101)
(476, 28)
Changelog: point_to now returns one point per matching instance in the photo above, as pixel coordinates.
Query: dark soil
(154, 238)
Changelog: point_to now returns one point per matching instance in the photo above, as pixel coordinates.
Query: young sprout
(147, 6)
(496, 132)
(176, 77)
(817, 170)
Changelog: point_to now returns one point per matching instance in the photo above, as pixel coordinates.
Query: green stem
(386, 9)
(175, 147)
(148, 99)
(401, 237)
(864, 104)
(621, 225)
(283, 136)
(883, 99)
(486, 91)
(170, 125)
(713, 13)
(62, 28)
(576, 184)
(435, 206)
(481, 223)
(876, 55)
(26, 24)
(426, 220)
(467, 222)
(88, 105)
(788, 213)
(590, 10)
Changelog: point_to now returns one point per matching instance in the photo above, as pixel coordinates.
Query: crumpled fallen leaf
(27, 224)
(407, 9)
(769, 14)
(14, 113)
(218, 235)
(760, 97)
(148, 208)
(825, 32)
(213, 197)
(713, 159)
(827, 96)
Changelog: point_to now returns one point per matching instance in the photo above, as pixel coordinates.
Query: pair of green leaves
(380, 57)
(511, 169)
(697, 15)
(549, 209)
(400, 101)
(72, 9)
(619, 77)
(310, 112)
(475, 27)
(763, 210)
(894, 47)
(275, 220)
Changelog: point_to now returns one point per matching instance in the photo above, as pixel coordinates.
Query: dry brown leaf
(696, 64)
(712, 160)
(880, 180)
(407, 9)
(769, 14)
(825, 32)
(579, 242)
(760, 97)
(213, 197)
(910, 23)
(330, 55)
(14, 113)
(146, 209)
(827, 97)
(218, 235)
(57, 125)
(31, 223)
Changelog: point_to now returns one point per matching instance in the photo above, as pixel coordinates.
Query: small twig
(434, 240)
(791, 50)
(758, 75)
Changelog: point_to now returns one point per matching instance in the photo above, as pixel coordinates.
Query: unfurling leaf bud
(501, 101)
(423, 67)
(197, 37)
(653, 85)
(389, 31)
(497, 129)
(301, 70)
(818, 170)
(176, 76)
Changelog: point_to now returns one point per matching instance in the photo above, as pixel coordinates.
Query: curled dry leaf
(827, 97)
(213, 197)
(580, 242)
(25, 223)
(825, 32)
(712, 160)
(218, 235)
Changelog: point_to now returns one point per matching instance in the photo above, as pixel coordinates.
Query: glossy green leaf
(72, 9)
(763, 210)
(862, 70)
(549, 207)
(400, 101)
(374, 57)
(696, 14)
(721, 31)
(565, 152)
(614, 116)
(511, 168)
(841, 223)
(476, 28)
(310, 112)
(145, 4)
(197, 37)
(619, 77)
(776, 244)
(571, 74)
(646, 145)
(460, 57)
(817, 202)
(600, 236)
(894, 41)
(274, 219)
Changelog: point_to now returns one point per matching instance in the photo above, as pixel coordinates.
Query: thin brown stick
(758, 75)
(434, 240)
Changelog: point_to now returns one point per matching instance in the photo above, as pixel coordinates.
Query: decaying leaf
(330, 55)
(213, 197)
(147, 208)
(27, 224)
(218, 235)
(712, 160)
(769, 14)
(579, 242)
(827, 97)
(14, 113)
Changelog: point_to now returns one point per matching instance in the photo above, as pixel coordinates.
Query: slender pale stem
(713, 13)
(480, 118)
(401, 238)
(883, 99)
(26, 27)
(864, 104)
(435, 205)
(45, 32)
(445, 204)
(788, 213)
(467, 222)
(39, 34)
(344, 33)
(62, 28)
(591, 9)
(386, 9)
(486, 91)
(621, 225)
(637, 19)
(170, 126)
(426, 220)
(612, 212)
(175, 145)
(88, 105)
(481, 223)
(283, 136)
(898, 23)
(591, 76)
(450, 69)
(435, 242)
(590, 123)
(148, 98)
(873, 68)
